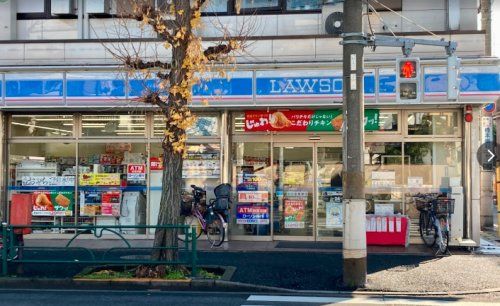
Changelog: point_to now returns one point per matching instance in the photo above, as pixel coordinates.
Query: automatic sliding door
(293, 190)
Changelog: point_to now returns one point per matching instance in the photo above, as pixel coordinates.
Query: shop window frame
(145, 134)
(12, 137)
(459, 127)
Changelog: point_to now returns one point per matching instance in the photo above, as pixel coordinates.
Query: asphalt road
(151, 298)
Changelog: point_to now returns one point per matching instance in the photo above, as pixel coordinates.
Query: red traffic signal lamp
(408, 80)
(408, 69)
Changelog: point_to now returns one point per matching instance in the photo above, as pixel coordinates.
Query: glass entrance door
(293, 171)
(329, 212)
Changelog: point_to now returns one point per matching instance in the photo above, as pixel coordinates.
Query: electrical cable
(380, 18)
(407, 19)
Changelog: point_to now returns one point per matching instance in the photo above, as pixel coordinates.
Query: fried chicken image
(337, 122)
(278, 120)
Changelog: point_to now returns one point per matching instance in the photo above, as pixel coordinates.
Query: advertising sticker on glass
(51, 203)
(252, 214)
(294, 213)
(253, 196)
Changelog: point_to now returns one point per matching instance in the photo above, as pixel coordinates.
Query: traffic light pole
(354, 244)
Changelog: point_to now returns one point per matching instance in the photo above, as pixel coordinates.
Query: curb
(201, 285)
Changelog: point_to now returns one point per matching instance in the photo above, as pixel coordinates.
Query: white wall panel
(259, 25)
(11, 53)
(217, 25)
(434, 20)
(44, 51)
(60, 29)
(392, 21)
(299, 24)
(468, 19)
(84, 51)
(29, 29)
(419, 5)
(294, 47)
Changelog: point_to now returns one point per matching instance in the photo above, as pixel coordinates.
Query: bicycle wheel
(426, 228)
(194, 224)
(215, 230)
(444, 237)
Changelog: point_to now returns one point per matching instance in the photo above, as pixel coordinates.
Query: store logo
(306, 86)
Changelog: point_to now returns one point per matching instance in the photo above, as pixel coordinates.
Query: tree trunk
(169, 206)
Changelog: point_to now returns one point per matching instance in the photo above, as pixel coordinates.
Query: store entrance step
(309, 245)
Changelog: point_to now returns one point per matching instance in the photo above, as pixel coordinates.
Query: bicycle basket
(444, 206)
(421, 204)
(186, 208)
(223, 191)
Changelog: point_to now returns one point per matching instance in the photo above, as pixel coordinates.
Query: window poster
(334, 214)
(53, 203)
(295, 213)
(252, 214)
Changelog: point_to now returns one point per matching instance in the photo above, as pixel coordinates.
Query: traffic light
(408, 80)
(453, 77)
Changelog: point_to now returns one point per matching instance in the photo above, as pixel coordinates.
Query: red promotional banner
(292, 120)
(304, 120)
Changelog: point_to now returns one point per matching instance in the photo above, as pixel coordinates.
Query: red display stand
(21, 208)
(387, 230)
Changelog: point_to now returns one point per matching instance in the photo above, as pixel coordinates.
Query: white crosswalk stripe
(360, 300)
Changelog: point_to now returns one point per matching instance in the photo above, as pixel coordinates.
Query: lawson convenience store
(86, 152)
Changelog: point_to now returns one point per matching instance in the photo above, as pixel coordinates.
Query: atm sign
(136, 172)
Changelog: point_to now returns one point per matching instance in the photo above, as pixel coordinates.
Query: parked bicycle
(207, 218)
(434, 220)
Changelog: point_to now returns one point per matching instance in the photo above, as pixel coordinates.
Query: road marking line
(358, 300)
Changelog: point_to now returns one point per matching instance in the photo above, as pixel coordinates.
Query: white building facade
(272, 129)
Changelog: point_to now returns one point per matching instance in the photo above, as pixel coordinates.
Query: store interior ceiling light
(40, 127)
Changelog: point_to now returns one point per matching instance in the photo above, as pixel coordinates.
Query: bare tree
(177, 24)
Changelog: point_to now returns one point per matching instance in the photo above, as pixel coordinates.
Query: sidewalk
(309, 266)
(235, 246)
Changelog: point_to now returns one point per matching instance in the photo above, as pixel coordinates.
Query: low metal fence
(13, 251)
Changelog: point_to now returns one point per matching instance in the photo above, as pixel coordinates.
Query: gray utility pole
(353, 176)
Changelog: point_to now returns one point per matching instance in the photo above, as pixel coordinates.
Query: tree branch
(139, 64)
(213, 53)
(154, 18)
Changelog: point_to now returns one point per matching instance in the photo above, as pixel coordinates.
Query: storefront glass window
(41, 126)
(432, 123)
(383, 177)
(433, 167)
(113, 125)
(388, 121)
(205, 125)
(43, 174)
(112, 184)
(248, 4)
(201, 167)
(303, 5)
(252, 180)
(330, 207)
(216, 6)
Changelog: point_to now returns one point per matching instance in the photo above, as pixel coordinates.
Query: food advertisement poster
(53, 203)
(99, 179)
(253, 196)
(295, 213)
(304, 120)
(111, 203)
(136, 172)
(90, 203)
(252, 214)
